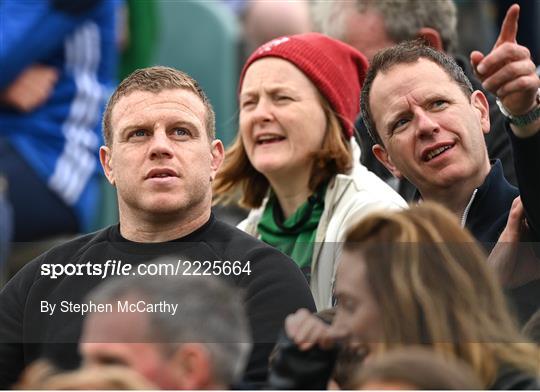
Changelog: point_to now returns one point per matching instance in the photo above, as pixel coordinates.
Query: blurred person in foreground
(161, 154)
(371, 26)
(41, 375)
(415, 277)
(204, 345)
(58, 62)
(294, 160)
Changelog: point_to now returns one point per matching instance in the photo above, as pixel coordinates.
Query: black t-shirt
(274, 288)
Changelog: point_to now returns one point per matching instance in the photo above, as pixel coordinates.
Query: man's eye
(438, 104)
(138, 133)
(181, 132)
(399, 124)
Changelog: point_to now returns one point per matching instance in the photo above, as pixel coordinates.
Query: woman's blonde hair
(433, 286)
(238, 174)
(42, 374)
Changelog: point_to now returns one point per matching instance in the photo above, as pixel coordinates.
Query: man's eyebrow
(149, 126)
(430, 97)
(133, 127)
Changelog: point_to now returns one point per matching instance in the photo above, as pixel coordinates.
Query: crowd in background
(379, 257)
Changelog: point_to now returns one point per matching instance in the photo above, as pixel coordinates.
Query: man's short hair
(210, 312)
(407, 53)
(402, 18)
(155, 80)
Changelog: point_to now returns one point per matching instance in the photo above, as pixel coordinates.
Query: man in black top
(161, 156)
(429, 123)
(370, 26)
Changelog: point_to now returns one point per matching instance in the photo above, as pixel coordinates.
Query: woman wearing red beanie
(294, 159)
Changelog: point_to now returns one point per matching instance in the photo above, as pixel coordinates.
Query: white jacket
(349, 197)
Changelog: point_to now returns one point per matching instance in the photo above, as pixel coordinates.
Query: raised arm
(509, 73)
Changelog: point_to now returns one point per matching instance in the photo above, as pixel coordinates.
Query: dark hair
(406, 53)
(155, 80)
(403, 19)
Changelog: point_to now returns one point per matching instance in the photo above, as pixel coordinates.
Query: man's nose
(425, 124)
(160, 146)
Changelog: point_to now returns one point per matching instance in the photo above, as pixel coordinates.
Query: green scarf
(298, 241)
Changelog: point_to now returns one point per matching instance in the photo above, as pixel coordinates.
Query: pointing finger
(509, 26)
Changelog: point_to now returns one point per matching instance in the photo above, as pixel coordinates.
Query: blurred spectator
(42, 375)
(370, 26)
(476, 25)
(415, 368)
(203, 344)
(263, 21)
(266, 20)
(58, 62)
(415, 277)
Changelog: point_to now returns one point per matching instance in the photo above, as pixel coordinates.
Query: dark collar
(491, 205)
(489, 210)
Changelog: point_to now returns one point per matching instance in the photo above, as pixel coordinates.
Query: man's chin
(450, 178)
(163, 207)
(444, 176)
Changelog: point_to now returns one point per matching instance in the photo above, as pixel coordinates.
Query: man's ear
(105, 156)
(383, 157)
(218, 154)
(480, 102)
(432, 37)
(192, 367)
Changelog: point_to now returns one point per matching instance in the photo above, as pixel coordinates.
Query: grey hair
(210, 312)
(402, 18)
(328, 17)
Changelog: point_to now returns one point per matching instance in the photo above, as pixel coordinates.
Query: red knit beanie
(335, 68)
